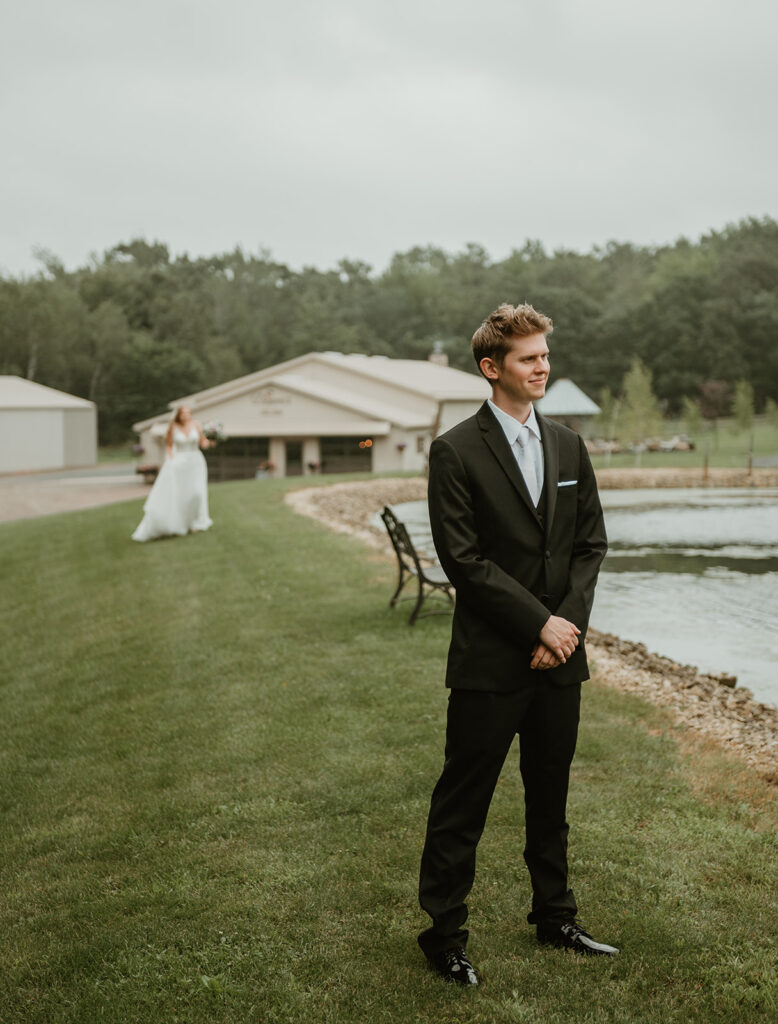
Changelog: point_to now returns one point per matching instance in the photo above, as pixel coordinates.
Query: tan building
(327, 412)
(41, 428)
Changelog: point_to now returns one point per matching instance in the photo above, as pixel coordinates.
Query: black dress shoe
(572, 936)
(453, 965)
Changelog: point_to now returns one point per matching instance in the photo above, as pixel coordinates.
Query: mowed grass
(217, 757)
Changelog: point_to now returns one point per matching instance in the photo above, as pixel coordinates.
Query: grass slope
(217, 756)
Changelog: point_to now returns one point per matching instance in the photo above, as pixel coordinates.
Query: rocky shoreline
(632, 478)
(711, 705)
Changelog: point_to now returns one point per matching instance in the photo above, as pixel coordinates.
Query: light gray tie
(529, 463)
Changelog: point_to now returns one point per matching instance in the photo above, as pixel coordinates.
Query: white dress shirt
(525, 443)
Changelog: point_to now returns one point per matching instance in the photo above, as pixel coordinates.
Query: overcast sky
(355, 128)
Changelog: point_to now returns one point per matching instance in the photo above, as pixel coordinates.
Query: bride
(178, 501)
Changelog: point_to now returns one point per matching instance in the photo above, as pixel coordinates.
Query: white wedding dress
(178, 501)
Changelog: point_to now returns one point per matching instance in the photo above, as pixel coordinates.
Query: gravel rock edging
(708, 703)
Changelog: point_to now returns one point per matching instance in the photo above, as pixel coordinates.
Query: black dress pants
(479, 732)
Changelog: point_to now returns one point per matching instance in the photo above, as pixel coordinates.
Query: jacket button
(548, 554)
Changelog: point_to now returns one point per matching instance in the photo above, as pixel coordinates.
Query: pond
(691, 573)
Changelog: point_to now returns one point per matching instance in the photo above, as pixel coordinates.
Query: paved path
(26, 495)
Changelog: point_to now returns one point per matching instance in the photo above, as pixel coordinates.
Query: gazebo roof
(564, 398)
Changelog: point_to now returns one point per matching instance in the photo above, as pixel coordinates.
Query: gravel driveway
(27, 495)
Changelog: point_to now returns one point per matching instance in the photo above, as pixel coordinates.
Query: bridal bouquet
(214, 431)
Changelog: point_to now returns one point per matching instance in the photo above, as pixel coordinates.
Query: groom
(519, 530)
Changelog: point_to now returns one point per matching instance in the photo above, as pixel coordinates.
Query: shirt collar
(511, 426)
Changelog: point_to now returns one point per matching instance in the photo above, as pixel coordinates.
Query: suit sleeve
(500, 599)
(589, 548)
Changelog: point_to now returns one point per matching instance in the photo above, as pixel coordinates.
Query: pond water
(692, 574)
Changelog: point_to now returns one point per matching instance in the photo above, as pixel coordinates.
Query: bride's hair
(176, 420)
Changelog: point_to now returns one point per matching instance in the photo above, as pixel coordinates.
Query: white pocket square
(566, 483)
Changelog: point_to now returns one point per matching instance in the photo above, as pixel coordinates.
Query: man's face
(524, 371)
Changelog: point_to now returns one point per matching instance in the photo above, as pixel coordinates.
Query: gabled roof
(344, 399)
(18, 393)
(237, 385)
(416, 377)
(443, 383)
(564, 398)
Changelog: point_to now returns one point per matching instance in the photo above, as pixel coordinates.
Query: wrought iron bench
(430, 579)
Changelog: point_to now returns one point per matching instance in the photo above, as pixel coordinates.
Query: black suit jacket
(511, 567)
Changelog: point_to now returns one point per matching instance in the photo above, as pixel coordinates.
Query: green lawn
(217, 757)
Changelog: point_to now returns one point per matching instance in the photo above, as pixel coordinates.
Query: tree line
(137, 327)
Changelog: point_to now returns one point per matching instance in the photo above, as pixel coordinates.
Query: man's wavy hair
(493, 338)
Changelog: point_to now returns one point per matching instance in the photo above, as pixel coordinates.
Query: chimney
(437, 355)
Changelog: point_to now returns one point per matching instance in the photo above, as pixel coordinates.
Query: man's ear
(489, 368)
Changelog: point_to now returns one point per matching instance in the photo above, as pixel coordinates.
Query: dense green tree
(743, 406)
(771, 413)
(692, 417)
(607, 419)
(107, 335)
(42, 322)
(640, 414)
(148, 376)
(697, 315)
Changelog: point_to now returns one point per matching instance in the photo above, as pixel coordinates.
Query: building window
(346, 455)
(420, 446)
(237, 458)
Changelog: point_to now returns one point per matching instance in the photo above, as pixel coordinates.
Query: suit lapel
(550, 467)
(495, 438)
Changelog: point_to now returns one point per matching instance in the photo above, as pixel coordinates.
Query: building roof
(443, 383)
(345, 399)
(18, 393)
(564, 398)
(416, 378)
(417, 375)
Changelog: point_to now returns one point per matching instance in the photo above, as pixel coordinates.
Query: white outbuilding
(41, 428)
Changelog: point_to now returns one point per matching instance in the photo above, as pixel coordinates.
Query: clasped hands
(556, 642)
